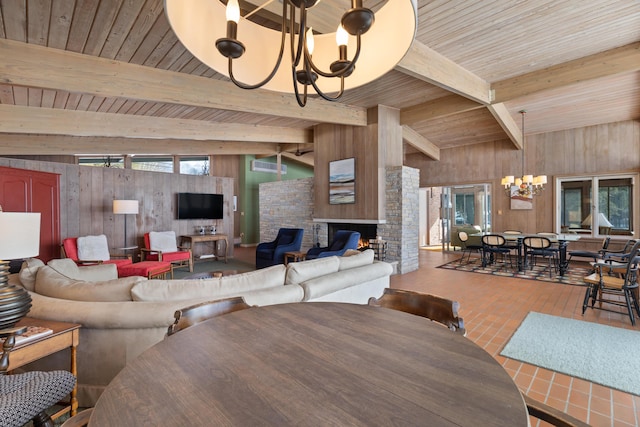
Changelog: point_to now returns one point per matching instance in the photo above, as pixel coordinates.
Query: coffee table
(210, 274)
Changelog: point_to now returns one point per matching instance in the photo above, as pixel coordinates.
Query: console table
(198, 238)
(65, 335)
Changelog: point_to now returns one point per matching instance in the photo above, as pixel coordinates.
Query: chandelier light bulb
(310, 44)
(233, 11)
(342, 37)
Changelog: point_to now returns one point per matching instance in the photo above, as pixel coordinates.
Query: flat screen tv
(200, 206)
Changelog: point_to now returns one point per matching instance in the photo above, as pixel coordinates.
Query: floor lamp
(19, 238)
(125, 207)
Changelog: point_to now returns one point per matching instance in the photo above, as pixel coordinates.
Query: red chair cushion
(70, 246)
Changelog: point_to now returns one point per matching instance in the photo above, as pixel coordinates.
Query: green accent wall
(249, 183)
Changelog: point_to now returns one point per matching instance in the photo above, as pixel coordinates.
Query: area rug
(597, 353)
(573, 275)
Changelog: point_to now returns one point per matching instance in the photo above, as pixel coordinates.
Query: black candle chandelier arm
(302, 101)
(344, 72)
(323, 95)
(278, 62)
(301, 46)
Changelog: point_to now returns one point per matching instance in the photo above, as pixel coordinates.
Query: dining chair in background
(467, 248)
(494, 247)
(195, 314)
(437, 309)
(609, 283)
(540, 247)
(591, 254)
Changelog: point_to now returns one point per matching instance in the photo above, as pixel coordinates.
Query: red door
(23, 190)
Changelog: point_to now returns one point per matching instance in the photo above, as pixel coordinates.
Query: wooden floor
(493, 307)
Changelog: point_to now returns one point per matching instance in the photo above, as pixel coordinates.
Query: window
(102, 162)
(610, 213)
(153, 164)
(194, 165)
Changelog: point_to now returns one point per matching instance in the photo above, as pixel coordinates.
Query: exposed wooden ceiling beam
(420, 143)
(428, 65)
(69, 71)
(624, 59)
(506, 122)
(437, 108)
(304, 159)
(27, 145)
(18, 119)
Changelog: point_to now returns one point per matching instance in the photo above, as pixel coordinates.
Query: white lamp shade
(19, 235)
(199, 23)
(587, 221)
(603, 221)
(125, 207)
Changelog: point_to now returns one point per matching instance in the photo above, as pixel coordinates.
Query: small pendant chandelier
(527, 185)
(294, 58)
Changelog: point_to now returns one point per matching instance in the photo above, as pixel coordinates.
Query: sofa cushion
(53, 284)
(214, 288)
(275, 295)
(298, 272)
(90, 273)
(28, 271)
(93, 248)
(320, 286)
(356, 260)
(164, 241)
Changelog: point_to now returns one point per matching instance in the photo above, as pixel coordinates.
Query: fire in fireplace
(367, 231)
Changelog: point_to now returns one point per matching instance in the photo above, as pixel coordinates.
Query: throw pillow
(93, 248)
(28, 272)
(357, 259)
(164, 241)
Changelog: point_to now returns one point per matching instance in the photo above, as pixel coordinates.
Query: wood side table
(65, 335)
(294, 256)
(198, 238)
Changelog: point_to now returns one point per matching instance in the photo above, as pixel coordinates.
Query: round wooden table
(313, 364)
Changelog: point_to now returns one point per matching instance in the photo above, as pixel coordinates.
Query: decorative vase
(15, 301)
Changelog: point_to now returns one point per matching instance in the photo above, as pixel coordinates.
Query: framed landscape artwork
(521, 198)
(342, 181)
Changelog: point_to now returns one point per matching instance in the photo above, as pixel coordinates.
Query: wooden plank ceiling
(93, 74)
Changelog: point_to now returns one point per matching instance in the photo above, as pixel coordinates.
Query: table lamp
(19, 238)
(125, 207)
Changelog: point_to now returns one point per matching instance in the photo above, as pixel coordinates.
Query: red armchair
(90, 250)
(161, 246)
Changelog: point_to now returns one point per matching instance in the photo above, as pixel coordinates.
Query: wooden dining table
(313, 364)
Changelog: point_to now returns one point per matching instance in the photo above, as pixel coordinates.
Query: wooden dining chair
(615, 285)
(81, 419)
(551, 415)
(436, 308)
(195, 314)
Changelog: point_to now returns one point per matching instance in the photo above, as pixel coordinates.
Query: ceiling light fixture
(528, 185)
(253, 56)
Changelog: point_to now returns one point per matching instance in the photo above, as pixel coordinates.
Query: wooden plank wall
(86, 195)
(607, 148)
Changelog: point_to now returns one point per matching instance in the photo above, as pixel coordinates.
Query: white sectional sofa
(120, 318)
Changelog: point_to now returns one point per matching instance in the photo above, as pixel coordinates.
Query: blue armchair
(272, 253)
(342, 241)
